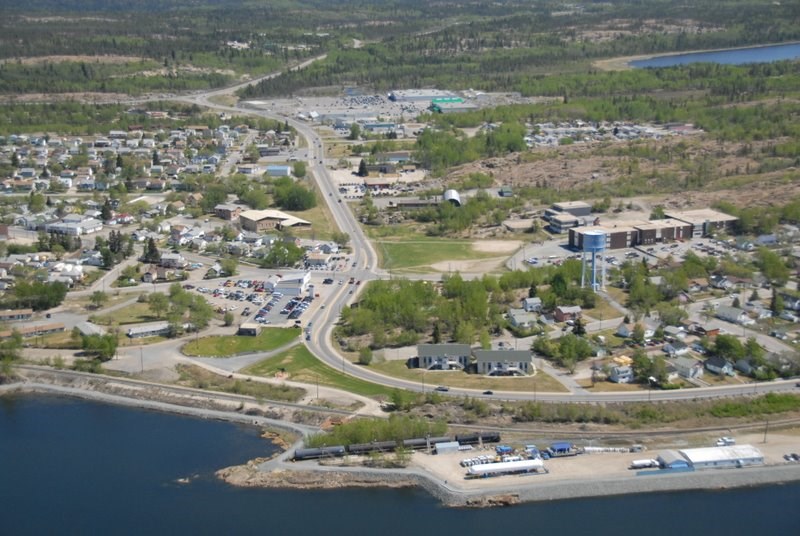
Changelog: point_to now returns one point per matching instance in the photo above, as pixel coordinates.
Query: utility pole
(141, 359)
(766, 428)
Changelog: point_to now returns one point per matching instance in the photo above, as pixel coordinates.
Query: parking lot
(252, 301)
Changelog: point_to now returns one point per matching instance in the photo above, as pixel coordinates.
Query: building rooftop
(700, 216)
(711, 454)
(566, 205)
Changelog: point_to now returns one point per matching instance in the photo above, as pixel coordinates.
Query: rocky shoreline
(315, 477)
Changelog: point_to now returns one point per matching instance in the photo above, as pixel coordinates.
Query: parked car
(442, 388)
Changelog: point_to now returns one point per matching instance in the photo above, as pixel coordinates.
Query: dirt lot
(599, 465)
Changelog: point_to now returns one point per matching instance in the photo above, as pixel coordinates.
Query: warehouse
(560, 223)
(670, 459)
(723, 457)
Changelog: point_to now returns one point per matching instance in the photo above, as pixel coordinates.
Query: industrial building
(711, 457)
(722, 457)
(560, 223)
(625, 234)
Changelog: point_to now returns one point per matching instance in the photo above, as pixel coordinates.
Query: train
(416, 443)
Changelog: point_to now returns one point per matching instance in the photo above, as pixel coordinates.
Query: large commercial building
(259, 221)
(678, 226)
(704, 221)
(419, 95)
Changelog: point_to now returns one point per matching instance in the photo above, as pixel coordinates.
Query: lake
(77, 467)
(737, 56)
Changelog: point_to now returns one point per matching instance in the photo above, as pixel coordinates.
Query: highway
(365, 268)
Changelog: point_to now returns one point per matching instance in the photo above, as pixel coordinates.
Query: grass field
(200, 378)
(418, 255)
(231, 345)
(540, 382)
(136, 313)
(82, 303)
(300, 365)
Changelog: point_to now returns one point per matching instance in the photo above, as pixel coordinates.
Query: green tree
(638, 334)
(772, 266)
(229, 265)
(299, 169)
(777, 304)
(36, 203)
(355, 131)
(151, 253)
(227, 318)
(365, 356)
(158, 303)
(362, 168)
(98, 298)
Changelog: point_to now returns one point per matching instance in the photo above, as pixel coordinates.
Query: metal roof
(718, 454)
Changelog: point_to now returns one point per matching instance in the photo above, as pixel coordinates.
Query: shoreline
(623, 63)
(532, 490)
(278, 473)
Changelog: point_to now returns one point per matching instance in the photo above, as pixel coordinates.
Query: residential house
(626, 330)
(567, 312)
(172, 260)
(443, 356)
(676, 348)
(688, 368)
(504, 362)
(733, 314)
(194, 199)
(698, 285)
(744, 366)
(532, 305)
(674, 333)
(719, 365)
(621, 374)
(520, 318)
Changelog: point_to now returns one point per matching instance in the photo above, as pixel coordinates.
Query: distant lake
(76, 467)
(733, 56)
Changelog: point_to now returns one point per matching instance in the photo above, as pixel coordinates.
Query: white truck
(643, 464)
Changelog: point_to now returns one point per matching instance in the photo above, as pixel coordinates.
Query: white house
(688, 368)
(532, 305)
(519, 318)
(621, 374)
(443, 356)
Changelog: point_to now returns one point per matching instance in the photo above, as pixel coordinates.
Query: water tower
(594, 245)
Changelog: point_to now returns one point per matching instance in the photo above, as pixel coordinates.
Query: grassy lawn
(453, 378)
(417, 255)
(200, 378)
(136, 313)
(617, 294)
(231, 345)
(602, 310)
(79, 304)
(300, 365)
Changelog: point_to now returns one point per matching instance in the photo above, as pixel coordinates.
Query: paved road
(365, 268)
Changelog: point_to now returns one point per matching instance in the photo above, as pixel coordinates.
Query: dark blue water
(76, 467)
(739, 56)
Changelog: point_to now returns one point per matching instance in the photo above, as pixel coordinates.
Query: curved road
(365, 268)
